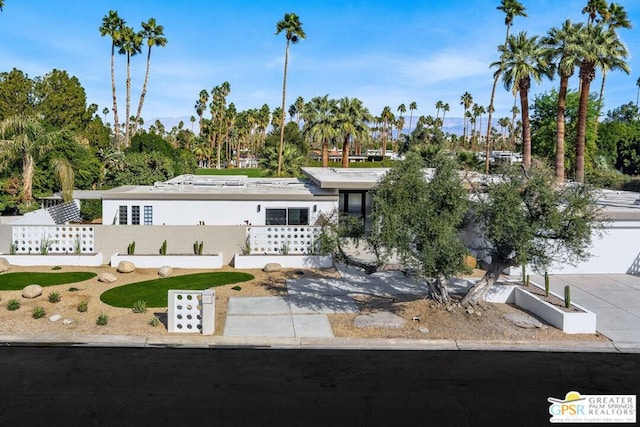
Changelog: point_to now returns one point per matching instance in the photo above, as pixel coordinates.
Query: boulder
(32, 291)
(523, 321)
(4, 265)
(382, 319)
(165, 271)
(272, 267)
(55, 318)
(67, 321)
(126, 267)
(107, 278)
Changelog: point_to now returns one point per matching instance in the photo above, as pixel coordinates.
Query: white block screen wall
(192, 311)
(278, 239)
(59, 239)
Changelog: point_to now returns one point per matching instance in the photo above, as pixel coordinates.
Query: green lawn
(250, 172)
(15, 281)
(154, 292)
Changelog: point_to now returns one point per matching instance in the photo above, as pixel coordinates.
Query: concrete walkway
(614, 298)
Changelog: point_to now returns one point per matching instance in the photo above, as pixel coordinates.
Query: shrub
(54, 297)
(13, 304)
(102, 319)
(131, 249)
(83, 306)
(55, 268)
(163, 248)
(154, 321)
(38, 312)
(197, 247)
(73, 289)
(236, 288)
(139, 306)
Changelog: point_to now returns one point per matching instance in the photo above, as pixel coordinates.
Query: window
(122, 215)
(135, 215)
(291, 216)
(148, 215)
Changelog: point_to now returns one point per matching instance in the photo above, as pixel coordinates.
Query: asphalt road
(44, 386)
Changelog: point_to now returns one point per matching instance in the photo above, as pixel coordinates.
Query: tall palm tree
(402, 109)
(112, 26)
(511, 9)
(445, 110)
(105, 111)
(523, 59)
(466, 100)
(439, 105)
(593, 9)
(387, 119)
(201, 106)
(599, 48)
(478, 111)
(412, 107)
(154, 34)
(292, 27)
(24, 137)
(352, 119)
(638, 94)
(562, 45)
(130, 45)
(319, 122)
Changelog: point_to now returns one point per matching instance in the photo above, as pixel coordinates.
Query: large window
(135, 215)
(122, 215)
(148, 215)
(291, 216)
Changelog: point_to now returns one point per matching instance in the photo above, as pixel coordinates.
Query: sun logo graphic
(582, 408)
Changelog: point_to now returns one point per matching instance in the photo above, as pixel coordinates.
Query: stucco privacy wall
(115, 239)
(218, 212)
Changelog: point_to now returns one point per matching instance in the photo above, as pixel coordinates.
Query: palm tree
(445, 110)
(439, 105)
(66, 175)
(638, 94)
(387, 119)
(593, 9)
(523, 59)
(466, 100)
(402, 109)
(112, 26)
(24, 137)
(193, 121)
(319, 122)
(412, 107)
(478, 111)
(1, 5)
(399, 126)
(598, 48)
(154, 34)
(352, 118)
(130, 45)
(201, 106)
(292, 27)
(105, 111)
(561, 43)
(511, 9)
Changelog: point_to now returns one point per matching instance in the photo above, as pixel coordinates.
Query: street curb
(217, 342)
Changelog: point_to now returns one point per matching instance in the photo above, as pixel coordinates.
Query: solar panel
(65, 213)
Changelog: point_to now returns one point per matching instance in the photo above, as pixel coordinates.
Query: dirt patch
(485, 322)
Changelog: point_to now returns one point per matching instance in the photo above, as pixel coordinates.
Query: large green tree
(523, 59)
(293, 31)
(526, 219)
(352, 119)
(17, 97)
(61, 101)
(130, 45)
(319, 116)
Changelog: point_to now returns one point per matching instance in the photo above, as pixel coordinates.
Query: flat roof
(210, 187)
(345, 178)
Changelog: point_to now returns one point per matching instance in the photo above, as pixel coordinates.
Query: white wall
(212, 212)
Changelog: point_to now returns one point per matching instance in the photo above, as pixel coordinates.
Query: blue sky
(385, 53)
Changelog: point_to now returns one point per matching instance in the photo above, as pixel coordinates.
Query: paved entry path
(614, 298)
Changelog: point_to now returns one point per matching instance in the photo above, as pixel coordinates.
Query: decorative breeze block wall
(192, 311)
(59, 239)
(281, 239)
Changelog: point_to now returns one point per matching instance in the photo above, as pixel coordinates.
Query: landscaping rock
(165, 271)
(126, 267)
(107, 278)
(67, 322)
(382, 319)
(523, 321)
(272, 267)
(424, 330)
(4, 265)
(32, 291)
(55, 318)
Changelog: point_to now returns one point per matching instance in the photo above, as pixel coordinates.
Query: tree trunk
(142, 94)
(128, 106)
(582, 130)
(526, 125)
(27, 178)
(479, 290)
(488, 141)
(325, 153)
(116, 124)
(345, 152)
(284, 95)
(438, 290)
(560, 123)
